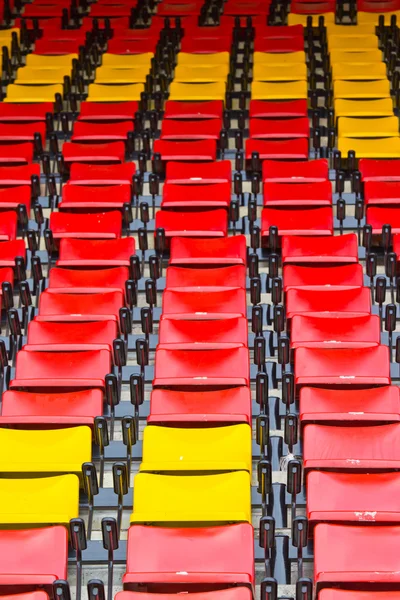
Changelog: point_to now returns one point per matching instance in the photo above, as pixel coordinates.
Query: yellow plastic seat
(38, 76)
(33, 93)
(364, 29)
(127, 61)
(47, 451)
(361, 89)
(279, 58)
(356, 71)
(355, 56)
(198, 499)
(117, 76)
(201, 74)
(216, 58)
(368, 128)
(169, 449)
(294, 19)
(291, 90)
(350, 42)
(98, 92)
(39, 501)
(364, 108)
(372, 148)
(197, 91)
(50, 62)
(367, 17)
(291, 72)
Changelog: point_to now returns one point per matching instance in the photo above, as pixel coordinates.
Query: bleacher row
(241, 161)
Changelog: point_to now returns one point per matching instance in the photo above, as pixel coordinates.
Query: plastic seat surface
(214, 499)
(217, 195)
(94, 197)
(204, 304)
(18, 175)
(10, 250)
(214, 279)
(210, 223)
(285, 128)
(368, 128)
(101, 131)
(268, 109)
(125, 61)
(110, 152)
(197, 173)
(16, 154)
(68, 337)
(350, 42)
(10, 197)
(285, 149)
(337, 249)
(378, 216)
(21, 132)
(297, 194)
(280, 73)
(107, 111)
(231, 405)
(212, 109)
(36, 75)
(69, 408)
(334, 406)
(385, 147)
(96, 253)
(360, 56)
(355, 366)
(32, 93)
(8, 226)
(379, 170)
(204, 334)
(279, 58)
(197, 91)
(295, 44)
(354, 71)
(314, 171)
(72, 370)
(201, 368)
(132, 47)
(382, 193)
(54, 451)
(198, 150)
(21, 563)
(308, 221)
(350, 302)
(99, 92)
(225, 251)
(298, 19)
(361, 89)
(159, 556)
(96, 226)
(372, 17)
(115, 76)
(84, 281)
(241, 593)
(87, 174)
(209, 129)
(54, 306)
(333, 332)
(356, 554)
(336, 594)
(319, 277)
(292, 90)
(206, 58)
(169, 449)
(39, 501)
(201, 73)
(362, 448)
(364, 108)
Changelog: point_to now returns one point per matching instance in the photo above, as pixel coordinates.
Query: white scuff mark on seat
(366, 515)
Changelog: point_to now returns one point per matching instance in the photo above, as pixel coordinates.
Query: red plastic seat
(22, 132)
(96, 253)
(97, 226)
(312, 8)
(214, 279)
(307, 221)
(297, 127)
(11, 197)
(96, 281)
(115, 11)
(202, 334)
(381, 6)
(212, 109)
(61, 409)
(8, 226)
(355, 448)
(311, 171)
(337, 249)
(55, 47)
(239, 593)
(67, 370)
(334, 406)
(297, 194)
(196, 173)
(286, 149)
(18, 175)
(16, 154)
(213, 195)
(331, 332)
(24, 113)
(283, 45)
(71, 337)
(204, 304)
(366, 556)
(378, 216)
(246, 8)
(342, 367)
(201, 368)
(161, 557)
(205, 45)
(346, 497)
(335, 594)
(351, 303)
(382, 193)
(23, 567)
(210, 223)
(379, 170)
(265, 109)
(200, 150)
(9, 252)
(138, 46)
(101, 132)
(42, 11)
(95, 197)
(54, 306)
(107, 111)
(231, 405)
(112, 152)
(227, 251)
(320, 277)
(86, 174)
(201, 129)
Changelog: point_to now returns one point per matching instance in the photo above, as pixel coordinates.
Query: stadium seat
(336, 249)
(202, 334)
(11, 197)
(212, 109)
(68, 337)
(207, 224)
(96, 253)
(8, 226)
(313, 171)
(271, 90)
(101, 132)
(18, 175)
(214, 279)
(204, 304)
(378, 216)
(378, 193)
(297, 127)
(9, 251)
(32, 93)
(224, 251)
(318, 277)
(199, 92)
(198, 173)
(357, 108)
(286, 149)
(99, 92)
(200, 150)
(351, 302)
(297, 194)
(204, 129)
(75, 197)
(214, 195)
(107, 111)
(54, 306)
(308, 221)
(87, 174)
(240, 593)
(333, 332)
(266, 109)
(112, 152)
(98, 226)
(85, 281)
(379, 170)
